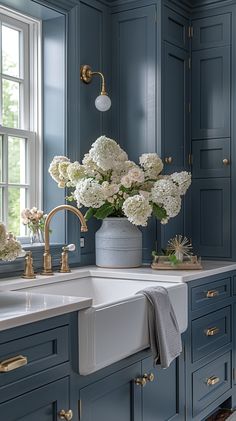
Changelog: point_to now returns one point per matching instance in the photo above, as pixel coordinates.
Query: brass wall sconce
(102, 102)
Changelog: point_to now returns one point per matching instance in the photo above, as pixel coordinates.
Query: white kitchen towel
(165, 337)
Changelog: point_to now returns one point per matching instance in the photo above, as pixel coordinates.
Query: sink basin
(115, 326)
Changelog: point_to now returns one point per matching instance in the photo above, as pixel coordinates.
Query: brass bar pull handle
(212, 331)
(65, 415)
(226, 161)
(142, 381)
(13, 363)
(168, 160)
(213, 380)
(212, 294)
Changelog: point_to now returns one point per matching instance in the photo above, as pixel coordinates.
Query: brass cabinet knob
(213, 380)
(226, 161)
(65, 415)
(142, 381)
(212, 331)
(168, 160)
(212, 293)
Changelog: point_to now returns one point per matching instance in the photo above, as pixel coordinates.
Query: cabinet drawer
(211, 293)
(41, 351)
(214, 31)
(210, 382)
(210, 332)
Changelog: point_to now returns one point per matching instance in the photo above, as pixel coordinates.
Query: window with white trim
(20, 170)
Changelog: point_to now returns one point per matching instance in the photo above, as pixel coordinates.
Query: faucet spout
(47, 259)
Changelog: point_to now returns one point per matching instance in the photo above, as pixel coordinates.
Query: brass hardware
(29, 269)
(47, 259)
(65, 415)
(212, 294)
(213, 380)
(64, 258)
(189, 63)
(226, 161)
(190, 31)
(190, 159)
(212, 331)
(142, 381)
(86, 75)
(168, 160)
(13, 363)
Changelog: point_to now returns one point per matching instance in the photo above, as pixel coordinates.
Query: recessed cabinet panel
(211, 32)
(176, 28)
(114, 398)
(211, 218)
(134, 80)
(165, 383)
(175, 107)
(211, 93)
(42, 404)
(211, 158)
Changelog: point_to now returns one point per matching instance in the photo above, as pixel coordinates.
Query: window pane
(10, 51)
(16, 203)
(1, 158)
(1, 204)
(10, 103)
(16, 160)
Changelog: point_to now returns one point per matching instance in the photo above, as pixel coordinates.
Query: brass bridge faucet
(47, 258)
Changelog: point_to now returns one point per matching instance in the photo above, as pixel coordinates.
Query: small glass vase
(36, 237)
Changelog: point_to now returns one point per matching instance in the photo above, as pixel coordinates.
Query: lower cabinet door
(163, 395)
(43, 404)
(114, 398)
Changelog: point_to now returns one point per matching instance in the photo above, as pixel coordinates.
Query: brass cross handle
(142, 381)
(226, 161)
(65, 415)
(168, 160)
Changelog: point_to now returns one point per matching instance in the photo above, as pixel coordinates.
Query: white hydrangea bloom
(172, 205)
(126, 181)
(183, 181)
(163, 188)
(11, 250)
(107, 154)
(136, 175)
(75, 172)
(110, 189)
(90, 167)
(3, 236)
(152, 165)
(54, 170)
(137, 209)
(89, 193)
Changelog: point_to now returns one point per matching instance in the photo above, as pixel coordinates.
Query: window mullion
(1, 72)
(5, 178)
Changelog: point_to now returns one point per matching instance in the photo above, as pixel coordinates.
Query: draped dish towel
(165, 337)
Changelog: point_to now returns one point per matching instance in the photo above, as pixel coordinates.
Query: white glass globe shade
(103, 103)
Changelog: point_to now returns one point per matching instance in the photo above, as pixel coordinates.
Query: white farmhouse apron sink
(116, 325)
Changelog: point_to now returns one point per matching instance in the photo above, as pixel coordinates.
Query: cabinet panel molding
(214, 31)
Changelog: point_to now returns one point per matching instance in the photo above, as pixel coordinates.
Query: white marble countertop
(19, 308)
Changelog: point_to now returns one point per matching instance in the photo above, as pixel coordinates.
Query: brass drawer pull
(213, 293)
(212, 331)
(213, 380)
(65, 415)
(142, 381)
(168, 160)
(13, 363)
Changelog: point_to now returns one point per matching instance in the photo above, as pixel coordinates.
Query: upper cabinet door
(211, 93)
(134, 80)
(211, 32)
(176, 128)
(176, 29)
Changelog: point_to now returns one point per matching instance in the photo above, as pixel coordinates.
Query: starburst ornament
(180, 246)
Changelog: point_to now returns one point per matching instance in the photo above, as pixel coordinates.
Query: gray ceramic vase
(118, 244)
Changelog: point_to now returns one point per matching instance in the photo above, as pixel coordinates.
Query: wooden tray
(165, 264)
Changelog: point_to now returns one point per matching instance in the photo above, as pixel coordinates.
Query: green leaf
(104, 211)
(90, 212)
(159, 212)
(173, 259)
